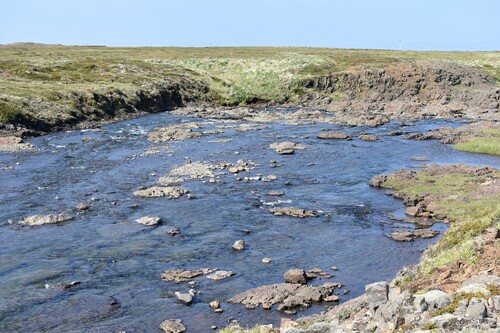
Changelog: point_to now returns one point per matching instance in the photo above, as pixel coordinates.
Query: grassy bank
(62, 84)
(482, 142)
(469, 197)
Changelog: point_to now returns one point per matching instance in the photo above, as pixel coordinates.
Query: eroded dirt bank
(358, 95)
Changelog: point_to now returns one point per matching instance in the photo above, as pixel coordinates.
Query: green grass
(484, 142)
(469, 215)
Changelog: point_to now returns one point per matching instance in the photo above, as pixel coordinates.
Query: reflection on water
(119, 261)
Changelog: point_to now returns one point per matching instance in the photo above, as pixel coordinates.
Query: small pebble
(266, 261)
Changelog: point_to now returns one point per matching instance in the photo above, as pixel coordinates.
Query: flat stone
(37, 220)
(266, 260)
(149, 220)
(334, 135)
(170, 192)
(331, 298)
(220, 275)
(291, 211)
(180, 275)
(275, 193)
(368, 137)
(172, 326)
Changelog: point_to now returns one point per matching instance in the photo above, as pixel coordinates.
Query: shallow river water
(119, 262)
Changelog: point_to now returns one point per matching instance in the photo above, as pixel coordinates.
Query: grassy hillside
(59, 84)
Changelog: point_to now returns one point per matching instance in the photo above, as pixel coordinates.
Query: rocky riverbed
(165, 227)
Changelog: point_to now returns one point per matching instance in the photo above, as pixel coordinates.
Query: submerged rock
(37, 220)
(148, 220)
(170, 192)
(82, 206)
(172, 326)
(220, 275)
(291, 211)
(185, 298)
(181, 275)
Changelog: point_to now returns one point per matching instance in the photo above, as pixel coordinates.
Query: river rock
(291, 211)
(239, 245)
(215, 304)
(275, 193)
(174, 132)
(334, 135)
(185, 298)
(180, 275)
(287, 295)
(170, 192)
(378, 294)
(402, 236)
(82, 206)
(172, 326)
(220, 275)
(148, 220)
(14, 143)
(37, 220)
(285, 148)
(296, 276)
(368, 137)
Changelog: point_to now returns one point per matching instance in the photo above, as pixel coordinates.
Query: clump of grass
(9, 112)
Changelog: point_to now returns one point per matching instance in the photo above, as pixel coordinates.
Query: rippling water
(119, 260)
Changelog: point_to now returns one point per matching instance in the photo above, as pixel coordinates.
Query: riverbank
(456, 285)
(49, 88)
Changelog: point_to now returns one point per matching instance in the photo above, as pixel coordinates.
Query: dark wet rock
(378, 180)
(169, 192)
(37, 220)
(368, 137)
(82, 206)
(239, 245)
(291, 211)
(220, 275)
(172, 326)
(285, 148)
(287, 295)
(180, 275)
(79, 308)
(173, 232)
(334, 135)
(149, 220)
(296, 276)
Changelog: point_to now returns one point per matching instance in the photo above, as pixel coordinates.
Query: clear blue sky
(419, 24)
